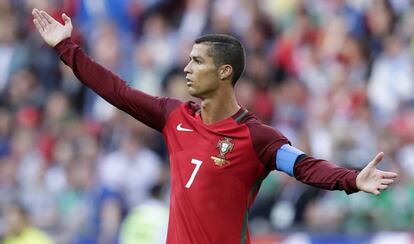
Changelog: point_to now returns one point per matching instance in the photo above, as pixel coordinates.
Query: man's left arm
(326, 175)
(277, 153)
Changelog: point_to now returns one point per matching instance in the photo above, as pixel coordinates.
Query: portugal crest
(224, 146)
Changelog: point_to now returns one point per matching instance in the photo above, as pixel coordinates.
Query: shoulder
(169, 104)
(266, 140)
(263, 134)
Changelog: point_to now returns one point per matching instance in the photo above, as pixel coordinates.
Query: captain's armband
(286, 157)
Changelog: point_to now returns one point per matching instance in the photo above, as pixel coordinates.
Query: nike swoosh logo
(180, 128)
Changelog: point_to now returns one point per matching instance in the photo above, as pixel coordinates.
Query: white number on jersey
(197, 167)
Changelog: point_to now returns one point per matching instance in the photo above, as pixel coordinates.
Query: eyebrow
(196, 58)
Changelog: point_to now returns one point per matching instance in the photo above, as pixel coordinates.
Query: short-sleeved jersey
(217, 169)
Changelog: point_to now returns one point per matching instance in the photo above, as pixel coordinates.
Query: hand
(372, 180)
(51, 31)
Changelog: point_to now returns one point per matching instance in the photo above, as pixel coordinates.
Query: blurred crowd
(335, 76)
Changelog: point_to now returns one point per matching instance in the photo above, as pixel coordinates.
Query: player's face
(201, 73)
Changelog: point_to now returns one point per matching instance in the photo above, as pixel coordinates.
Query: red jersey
(217, 169)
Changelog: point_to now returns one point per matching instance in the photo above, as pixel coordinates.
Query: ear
(225, 72)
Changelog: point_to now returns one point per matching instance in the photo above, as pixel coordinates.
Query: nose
(187, 68)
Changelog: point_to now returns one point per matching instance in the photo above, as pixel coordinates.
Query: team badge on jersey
(224, 146)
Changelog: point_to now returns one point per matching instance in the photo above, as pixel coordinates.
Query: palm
(55, 32)
(372, 180)
(51, 30)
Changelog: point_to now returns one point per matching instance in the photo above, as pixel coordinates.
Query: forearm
(102, 81)
(325, 175)
(147, 109)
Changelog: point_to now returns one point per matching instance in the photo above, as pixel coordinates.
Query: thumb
(377, 159)
(66, 19)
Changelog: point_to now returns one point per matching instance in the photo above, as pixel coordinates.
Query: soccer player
(219, 152)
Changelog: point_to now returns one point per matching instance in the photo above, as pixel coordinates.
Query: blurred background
(335, 76)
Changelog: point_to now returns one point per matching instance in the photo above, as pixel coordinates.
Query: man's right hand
(51, 30)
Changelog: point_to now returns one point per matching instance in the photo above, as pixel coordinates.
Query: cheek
(208, 74)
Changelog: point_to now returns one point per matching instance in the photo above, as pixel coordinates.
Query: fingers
(387, 181)
(377, 159)
(39, 21)
(38, 25)
(66, 18)
(382, 187)
(389, 175)
(46, 17)
(378, 190)
(68, 21)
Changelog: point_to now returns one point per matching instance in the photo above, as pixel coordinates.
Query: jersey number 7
(193, 175)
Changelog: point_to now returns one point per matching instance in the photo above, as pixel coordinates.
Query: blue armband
(286, 157)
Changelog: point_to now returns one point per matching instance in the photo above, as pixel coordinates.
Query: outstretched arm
(152, 111)
(326, 175)
(276, 152)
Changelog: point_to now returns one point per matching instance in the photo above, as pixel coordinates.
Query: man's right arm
(150, 110)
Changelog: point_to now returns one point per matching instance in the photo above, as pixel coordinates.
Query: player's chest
(214, 160)
(201, 156)
(221, 146)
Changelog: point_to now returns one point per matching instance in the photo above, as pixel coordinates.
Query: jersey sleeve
(152, 111)
(275, 151)
(325, 175)
(266, 141)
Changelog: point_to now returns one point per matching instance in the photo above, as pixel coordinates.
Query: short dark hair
(225, 49)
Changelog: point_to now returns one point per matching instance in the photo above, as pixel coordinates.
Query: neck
(218, 107)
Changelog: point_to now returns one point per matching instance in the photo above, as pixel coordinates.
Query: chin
(192, 92)
(197, 93)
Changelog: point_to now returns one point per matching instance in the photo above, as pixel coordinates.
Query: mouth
(189, 82)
